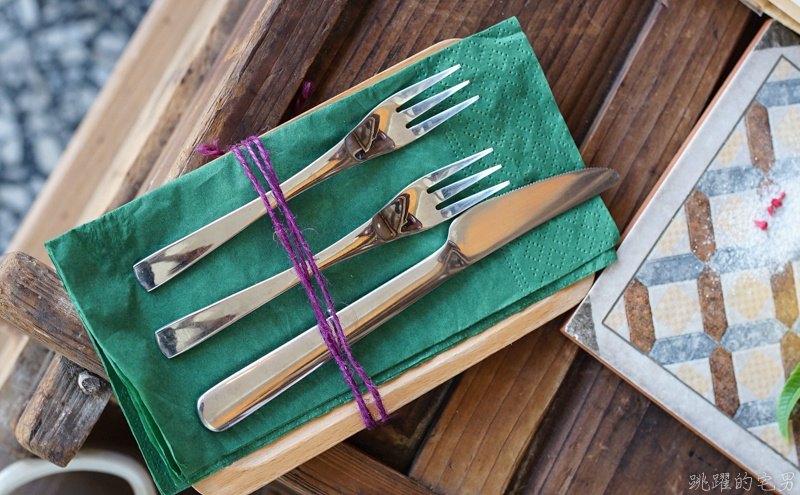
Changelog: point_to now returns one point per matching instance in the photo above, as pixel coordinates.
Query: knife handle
(244, 392)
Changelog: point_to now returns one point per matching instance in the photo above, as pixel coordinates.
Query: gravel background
(55, 56)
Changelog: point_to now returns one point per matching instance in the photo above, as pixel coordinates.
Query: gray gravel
(55, 55)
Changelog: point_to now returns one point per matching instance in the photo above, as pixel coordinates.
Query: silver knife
(472, 236)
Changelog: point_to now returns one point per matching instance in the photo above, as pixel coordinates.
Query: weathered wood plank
(61, 412)
(33, 299)
(29, 367)
(345, 470)
(478, 441)
(252, 82)
(159, 115)
(318, 435)
(603, 436)
(396, 442)
(587, 437)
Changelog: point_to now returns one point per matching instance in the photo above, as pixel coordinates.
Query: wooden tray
(317, 436)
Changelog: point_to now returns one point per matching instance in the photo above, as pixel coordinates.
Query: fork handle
(242, 393)
(171, 260)
(189, 331)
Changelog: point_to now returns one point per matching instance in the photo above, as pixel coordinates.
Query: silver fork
(385, 129)
(413, 210)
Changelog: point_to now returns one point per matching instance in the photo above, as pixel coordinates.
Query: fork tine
(406, 94)
(423, 106)
(456, 187)
(448, 170)
(430, 124)
(466, 203)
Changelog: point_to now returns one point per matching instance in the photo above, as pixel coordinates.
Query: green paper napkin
(516, 115)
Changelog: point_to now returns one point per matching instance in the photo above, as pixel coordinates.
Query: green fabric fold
(516, 115)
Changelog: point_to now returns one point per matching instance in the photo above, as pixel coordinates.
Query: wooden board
(477, 442)
(658, 437)
(62, 412)
(318, 435)
(344, 470)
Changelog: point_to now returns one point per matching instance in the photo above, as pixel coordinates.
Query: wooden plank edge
(696, 127)
(346, 470)
(313, 438)
(62, 411)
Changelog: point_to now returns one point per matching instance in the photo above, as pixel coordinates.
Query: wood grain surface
(29, 367)
(318, 435)
(33, 299)
(61, 413)
(251, 84)
(345, 470)
(480, 437)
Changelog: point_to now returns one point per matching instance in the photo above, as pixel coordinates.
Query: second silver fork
(413, 210)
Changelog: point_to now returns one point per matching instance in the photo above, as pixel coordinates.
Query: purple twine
(303, 261)
(212, 150)
(303, 94)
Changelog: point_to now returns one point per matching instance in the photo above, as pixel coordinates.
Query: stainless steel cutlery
(481, 228)
(413, 210)
(385, 129)
(472, 236)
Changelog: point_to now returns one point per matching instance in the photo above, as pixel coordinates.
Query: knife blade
(472, 237)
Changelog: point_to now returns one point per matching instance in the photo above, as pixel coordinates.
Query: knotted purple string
(303, 261)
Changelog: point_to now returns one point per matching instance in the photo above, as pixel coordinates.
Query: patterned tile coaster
(701, 310)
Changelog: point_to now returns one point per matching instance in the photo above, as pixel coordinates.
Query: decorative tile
(796, 274)
(753, 334)
(674, 240)
(640, 319)
(730, 180)
(779, 93)
(748, 296)
(696, 374)
(726, 395)
(733, 216)
(790, 352)
(787, 130)
(670, 270)
(757, 413)
(759, 138)
(732, 148)
(675, 309)
(759, 373)
(682, 348)
(784, 293)
(735, 152)
(712, 304)
(583, 326)
(716, 301)
(784, 70)
(701, 231)
(771, 435)
(617, 320)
